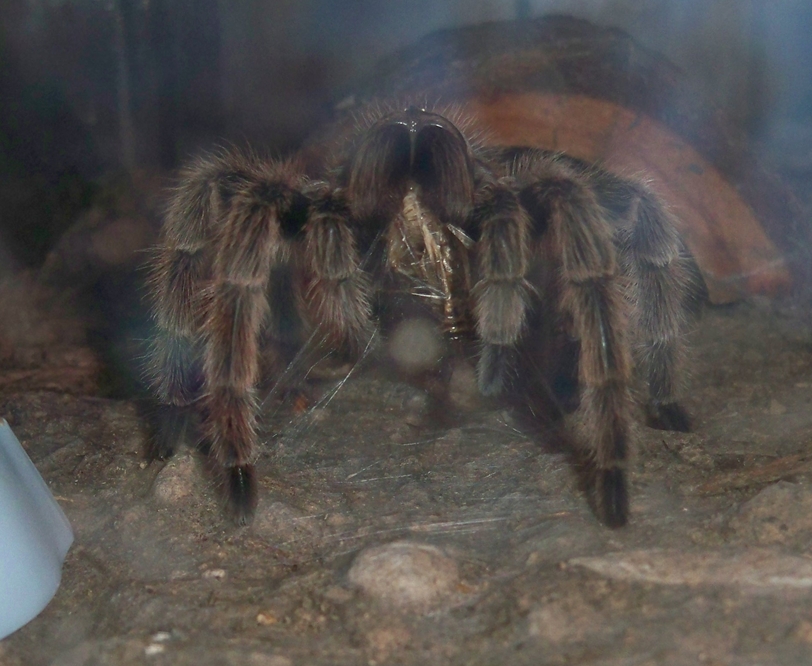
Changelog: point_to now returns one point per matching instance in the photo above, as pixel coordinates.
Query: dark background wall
(91, 87)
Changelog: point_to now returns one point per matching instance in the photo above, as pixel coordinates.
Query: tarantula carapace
(517, 248)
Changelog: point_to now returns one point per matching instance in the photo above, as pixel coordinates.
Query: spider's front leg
(592, 296)
(336, 297)
(233, 220)
(257, 224)
(502, 293)
(262, 226)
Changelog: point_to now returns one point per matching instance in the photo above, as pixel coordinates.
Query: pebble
(337, 519)
(776, 408)
(405, 574)
(803, 632)
(338, 594)
(384, 641)
(566, 621)
(260, 659)
(176, 481)
(266, 619)
(779, 514)
(214, 574)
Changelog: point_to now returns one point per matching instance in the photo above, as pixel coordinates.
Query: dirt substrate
(383, 539)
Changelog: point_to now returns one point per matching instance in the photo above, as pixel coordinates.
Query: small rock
(803, 632)
(776, 408)
(260, 659)
(337, 519)
(566, 621)
(338, 594)
(176, 481)
(534, 558)
(405, 574)
(383, 641)
(779, 514)
(215, 574)
(266, 619)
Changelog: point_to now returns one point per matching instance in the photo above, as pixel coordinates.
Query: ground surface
(497, 559)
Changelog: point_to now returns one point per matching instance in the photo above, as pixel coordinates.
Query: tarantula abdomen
(514, 248)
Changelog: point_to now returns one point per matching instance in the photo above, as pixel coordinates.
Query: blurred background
(92, 87)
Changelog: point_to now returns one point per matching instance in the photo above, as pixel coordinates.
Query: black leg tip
(242, 493)
(668, 416)
(171, 428)
(613, 497)
(493, 369)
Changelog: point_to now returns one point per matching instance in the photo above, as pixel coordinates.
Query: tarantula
(521, 250)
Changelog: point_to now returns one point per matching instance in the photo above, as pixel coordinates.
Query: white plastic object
(34, 537)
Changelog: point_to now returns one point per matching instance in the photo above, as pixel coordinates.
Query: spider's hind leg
(665, 287)
(561, 203)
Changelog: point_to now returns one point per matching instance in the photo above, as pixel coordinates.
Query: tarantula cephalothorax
(518, 248)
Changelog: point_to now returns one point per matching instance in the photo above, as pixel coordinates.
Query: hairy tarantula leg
(502, 294)
(173, 424)
(337, 294)
(662, 275)
(592, 295)
(177, 278)
(251, 241)
(177, 368)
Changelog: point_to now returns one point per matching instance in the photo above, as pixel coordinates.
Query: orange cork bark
(733, 252)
